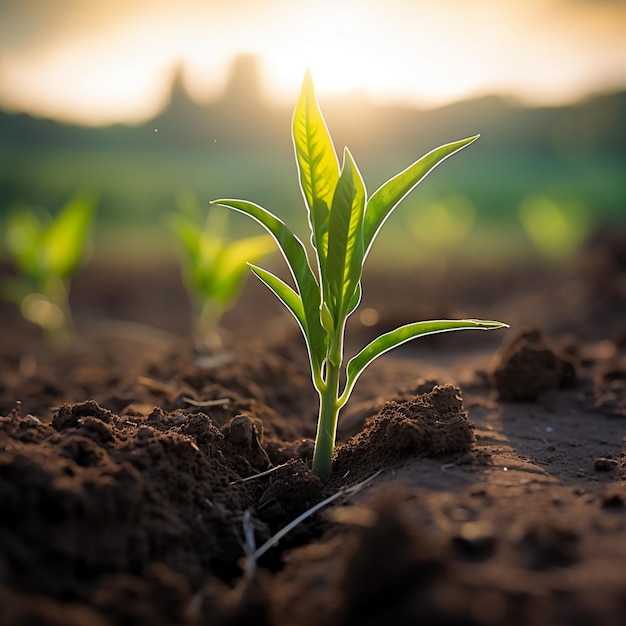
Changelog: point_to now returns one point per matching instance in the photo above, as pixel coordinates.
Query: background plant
(46, 252)
(440, 228)
(213, 267)
(343, 222)
(557, 229)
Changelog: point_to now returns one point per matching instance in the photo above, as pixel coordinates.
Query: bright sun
(368, 54)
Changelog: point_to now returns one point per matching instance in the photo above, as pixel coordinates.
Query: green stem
(206, 324)
(329, 412)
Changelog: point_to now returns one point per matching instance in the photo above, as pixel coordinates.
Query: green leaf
(342, 270)
(188, 235)
(355, 301)
(293, 303)
(318, 166)
(387, 197)
(202, 238)
(401, 335)
(283, 292)
(295, 255)
(232, 263)
(216, 223)
(65, 240)
(213, 267)
(24, 234)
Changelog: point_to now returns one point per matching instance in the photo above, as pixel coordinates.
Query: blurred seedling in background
(556, 229)
(439, 228)
(47, 251)
(214, 267)
(343, 224)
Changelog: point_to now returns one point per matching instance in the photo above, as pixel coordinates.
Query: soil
(500, 497)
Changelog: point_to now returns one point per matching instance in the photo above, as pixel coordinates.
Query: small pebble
(613, 501)
(603, 464)
(475, 540)
(145, 432)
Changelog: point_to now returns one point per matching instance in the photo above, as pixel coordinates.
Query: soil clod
(529, 366)
(429, 425)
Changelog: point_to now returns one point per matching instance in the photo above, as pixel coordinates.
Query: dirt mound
(428, 425)
(95, 493)
(529, 365)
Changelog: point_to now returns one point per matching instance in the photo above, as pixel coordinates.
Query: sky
(97, 62)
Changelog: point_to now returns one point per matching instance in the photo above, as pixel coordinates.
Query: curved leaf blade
(187, 235)
(355, 300)
(24, 234)
(295, 255)
(318, 166)
(290, 298)
(293, 303)
(345, 239)
(232, 263)
(65, 240)
(389, 195)
(397, 337)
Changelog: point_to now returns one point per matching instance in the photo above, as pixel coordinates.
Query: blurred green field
(136, 191)
(516, 167)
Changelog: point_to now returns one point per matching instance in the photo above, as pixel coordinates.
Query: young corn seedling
(344, 222)
(46, 252)
(213, 267)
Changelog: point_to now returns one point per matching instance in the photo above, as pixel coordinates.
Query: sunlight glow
(113, 63)
(349, 60)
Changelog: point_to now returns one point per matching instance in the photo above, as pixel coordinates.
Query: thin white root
(206, 403)
(272, 541)
(156, 386)
(260, 475)
(249, 545)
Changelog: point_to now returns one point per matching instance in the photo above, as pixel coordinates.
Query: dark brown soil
(501, 498)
